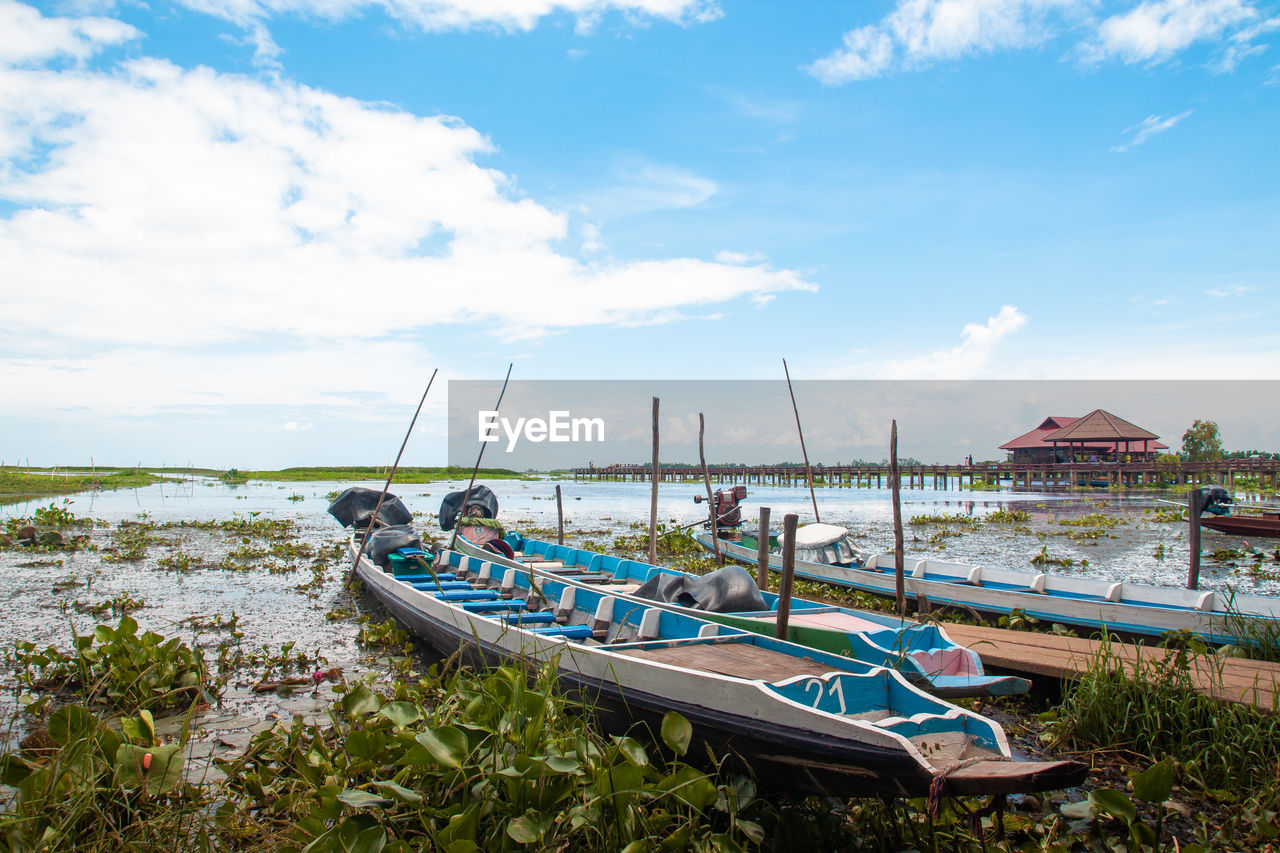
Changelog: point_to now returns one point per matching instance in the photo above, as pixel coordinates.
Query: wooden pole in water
(364, 540)
(808, 472)
(788, 573)
(894, 484)
(711, 504)
(475, 468)
(1194, 507)
(762, 550)
(559, 517)
(655, 474)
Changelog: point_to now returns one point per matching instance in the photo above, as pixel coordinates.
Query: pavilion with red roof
(1097, 436)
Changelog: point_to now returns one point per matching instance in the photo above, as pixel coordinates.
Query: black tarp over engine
(725, 590)
(1215, 499)
(481, 503)
(355, 506)
(388, 539)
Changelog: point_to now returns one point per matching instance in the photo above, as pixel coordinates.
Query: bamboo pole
(453, 541)
(788, 573)
(1194, 508)
(711, 504)
(559, 517)
(808, 472)
(762, 550)
(655, 475)
(895, 485)
(373, 519)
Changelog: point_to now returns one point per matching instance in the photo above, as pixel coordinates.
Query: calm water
(272, 610)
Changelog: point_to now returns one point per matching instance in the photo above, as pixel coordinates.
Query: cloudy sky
(244, 232)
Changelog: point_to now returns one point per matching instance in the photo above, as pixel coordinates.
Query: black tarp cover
(1214, 499)
(481, 496)
(725, 590)
(355, 507)
(387, 539)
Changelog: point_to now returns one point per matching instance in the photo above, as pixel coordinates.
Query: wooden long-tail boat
(799, 719)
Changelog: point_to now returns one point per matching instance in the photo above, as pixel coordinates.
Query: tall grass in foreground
(1152, 708)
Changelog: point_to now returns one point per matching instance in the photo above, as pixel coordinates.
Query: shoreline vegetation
(24, 483)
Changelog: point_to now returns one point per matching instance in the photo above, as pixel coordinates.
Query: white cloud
(1160, 28)
(918, 33)
(26, 36)
(438, 15)
(204, 213)
(1149, 127)
(1228, 290)
(971, 359)
(641, 186)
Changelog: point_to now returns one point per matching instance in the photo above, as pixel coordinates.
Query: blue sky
(243, 232)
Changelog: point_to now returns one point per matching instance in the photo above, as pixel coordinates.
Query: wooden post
(1194, 507)
(559, 517)
(788, 573)
(894, 484)
(656, 475)
(762, 550)
(711, 504)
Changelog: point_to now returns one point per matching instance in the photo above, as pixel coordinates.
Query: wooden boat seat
(738, 659)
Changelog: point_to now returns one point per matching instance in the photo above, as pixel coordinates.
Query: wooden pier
(1263, 475)
(1247, 682)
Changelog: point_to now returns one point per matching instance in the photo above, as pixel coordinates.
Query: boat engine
(1215, 499)
(727, 509)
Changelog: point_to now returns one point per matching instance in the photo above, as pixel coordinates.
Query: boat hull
(762, 739)
(1264, 527)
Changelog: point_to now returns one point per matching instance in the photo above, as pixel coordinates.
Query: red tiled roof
(1035, 438)
(1056, 425)
(1101, 425)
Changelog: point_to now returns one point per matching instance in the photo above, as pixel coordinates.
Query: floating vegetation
(179, 561)
(1093, 519)
(1043, 559)
(126, 670)
(1166, 515)
(129, 543)
(1004, 515)
(959, 519)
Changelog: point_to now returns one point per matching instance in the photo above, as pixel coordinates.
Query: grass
(23, 485)
(403, 475)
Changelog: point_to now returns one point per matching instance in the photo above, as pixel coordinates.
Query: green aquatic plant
(118, 667)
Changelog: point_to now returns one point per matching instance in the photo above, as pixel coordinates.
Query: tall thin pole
(808, 472)
(655, 474)
(895, 485)
(364, 541)
(788, 574)
(762, 550)
(711, 504)
(559, 517)
(1194, 508)
(467, 494)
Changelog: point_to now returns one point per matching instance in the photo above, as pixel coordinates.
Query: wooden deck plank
(738, 659)
(1248, 682)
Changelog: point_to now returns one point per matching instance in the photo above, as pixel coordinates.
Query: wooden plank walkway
(1248, 682)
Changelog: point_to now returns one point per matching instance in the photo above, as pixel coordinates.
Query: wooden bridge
(1262, 474)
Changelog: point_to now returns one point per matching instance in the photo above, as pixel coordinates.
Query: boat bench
(495, 608)
(430, 586)
(569, 632)
(468, 595)
(442, 576)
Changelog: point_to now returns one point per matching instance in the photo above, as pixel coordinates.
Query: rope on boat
(940, 780)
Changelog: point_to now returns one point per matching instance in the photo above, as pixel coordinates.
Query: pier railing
(1263, 473)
